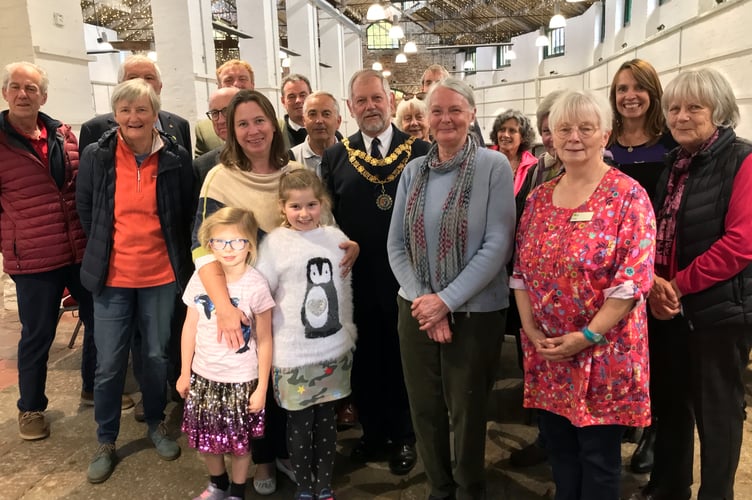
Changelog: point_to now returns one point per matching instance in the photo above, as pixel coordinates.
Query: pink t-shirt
(215, 360)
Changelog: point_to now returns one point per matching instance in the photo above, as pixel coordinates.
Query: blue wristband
(591, 336)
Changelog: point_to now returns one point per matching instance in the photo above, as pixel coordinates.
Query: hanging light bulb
(386, 73)
(542, 40)
(375, 12)
(410, 48)
(377, 66)
(557, 21)
(401, 58)
(396, 32)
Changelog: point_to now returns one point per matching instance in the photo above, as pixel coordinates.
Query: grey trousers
(448, 386)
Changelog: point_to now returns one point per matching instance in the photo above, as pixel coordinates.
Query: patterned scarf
(450, 253)
(666, 217)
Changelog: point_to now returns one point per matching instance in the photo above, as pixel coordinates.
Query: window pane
(378, 36)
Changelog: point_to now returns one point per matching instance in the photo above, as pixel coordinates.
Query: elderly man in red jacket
(40, 234)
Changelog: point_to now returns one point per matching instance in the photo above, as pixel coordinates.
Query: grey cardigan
(482, 284)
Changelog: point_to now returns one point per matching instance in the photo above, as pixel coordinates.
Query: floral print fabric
(570, 261)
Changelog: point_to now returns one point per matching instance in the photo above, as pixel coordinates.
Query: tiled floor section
(55, 467)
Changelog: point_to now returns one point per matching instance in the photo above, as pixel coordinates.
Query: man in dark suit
(362, 173)
(218, 102)
(138, 66)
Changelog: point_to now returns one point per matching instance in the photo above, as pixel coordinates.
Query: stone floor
(55, 467)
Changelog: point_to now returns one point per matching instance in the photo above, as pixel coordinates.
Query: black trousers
(39, 296)
(378, 384)
(697, 380)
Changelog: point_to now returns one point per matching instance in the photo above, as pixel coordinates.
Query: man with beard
(362, 173)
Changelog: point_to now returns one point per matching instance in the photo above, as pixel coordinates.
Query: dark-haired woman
(639, 144)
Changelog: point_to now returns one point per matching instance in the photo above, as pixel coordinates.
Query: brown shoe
(138, 411)
(347, 415)
(126, 402)
(32, 425)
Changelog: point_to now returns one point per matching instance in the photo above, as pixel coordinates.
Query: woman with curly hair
(513, 134)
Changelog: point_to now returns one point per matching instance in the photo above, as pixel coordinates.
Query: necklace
(360, 160)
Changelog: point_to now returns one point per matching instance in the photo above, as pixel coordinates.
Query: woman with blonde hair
(412, 118)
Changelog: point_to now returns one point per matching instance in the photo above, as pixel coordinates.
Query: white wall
(50, 35)
(697, 33)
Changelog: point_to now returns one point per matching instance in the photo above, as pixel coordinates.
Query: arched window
(378, 36)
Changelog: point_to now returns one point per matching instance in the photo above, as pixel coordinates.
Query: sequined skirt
(216, 418)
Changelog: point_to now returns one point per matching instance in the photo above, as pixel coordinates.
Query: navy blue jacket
(95, 195)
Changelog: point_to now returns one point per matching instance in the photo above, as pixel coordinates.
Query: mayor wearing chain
(361, 174)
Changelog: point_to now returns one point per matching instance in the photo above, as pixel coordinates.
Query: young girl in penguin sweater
(314, 335)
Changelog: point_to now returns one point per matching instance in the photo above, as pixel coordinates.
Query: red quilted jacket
(39, 226)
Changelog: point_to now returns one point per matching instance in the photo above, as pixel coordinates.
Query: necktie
(375, 151)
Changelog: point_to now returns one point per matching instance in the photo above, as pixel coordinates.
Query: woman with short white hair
(412, 118)
(583, 267)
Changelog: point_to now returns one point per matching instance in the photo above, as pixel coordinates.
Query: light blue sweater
(481, 286)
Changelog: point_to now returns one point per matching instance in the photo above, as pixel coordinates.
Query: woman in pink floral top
(584, 263)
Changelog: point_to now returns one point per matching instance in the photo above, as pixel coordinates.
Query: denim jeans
(585, 461)
(118, 312)
(39, 296)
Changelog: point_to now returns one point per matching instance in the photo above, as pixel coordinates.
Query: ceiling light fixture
(386, 73)
(401, 58)
(375, 12)
(377, 66)
(410, 48)
(557, 21)
(542, 40)
(396, 33)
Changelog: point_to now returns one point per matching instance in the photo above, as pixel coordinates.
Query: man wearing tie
(362, 173)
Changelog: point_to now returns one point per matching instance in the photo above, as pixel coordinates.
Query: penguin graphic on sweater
(208, 307)
(320, 311)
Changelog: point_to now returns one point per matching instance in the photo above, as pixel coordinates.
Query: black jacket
(354, 208)
(174, 126)
(700, 222)
(95, 195)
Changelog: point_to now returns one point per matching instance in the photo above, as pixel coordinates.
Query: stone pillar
(334, 77)
(258, 18)
(353, 61)
(303, 38)
(51, 35)
(185, 54)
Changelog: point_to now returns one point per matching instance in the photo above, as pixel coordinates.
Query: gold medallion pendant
(384, 201)
(360, 159)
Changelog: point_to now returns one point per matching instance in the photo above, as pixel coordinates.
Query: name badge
(581, 217)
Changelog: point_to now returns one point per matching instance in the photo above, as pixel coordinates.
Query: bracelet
(591, 336)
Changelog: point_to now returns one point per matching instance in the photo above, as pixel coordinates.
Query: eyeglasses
(406, 96)
(584, 131)
(213, 114)
(236, 244)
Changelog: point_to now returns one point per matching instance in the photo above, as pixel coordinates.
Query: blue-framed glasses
(236, 244)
